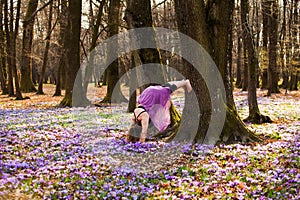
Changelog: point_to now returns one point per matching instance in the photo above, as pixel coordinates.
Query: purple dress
(156, 101)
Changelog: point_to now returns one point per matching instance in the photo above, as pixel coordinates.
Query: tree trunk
(45, 58)
(265, 37)
(257, 21)
(2, 55)
(14, 53)
(113, 69)
(8, 49)
(239, 80)
(62, 44)
(26, 64)
(72, 51)
(295, 42)
(95, 34)
(58, 78)
(273, 39)
(212, 34)
(254, 114)
(11, 37)
(2, 78)
(132, 87)
(245, 70)
(283, 49)
(138, 15)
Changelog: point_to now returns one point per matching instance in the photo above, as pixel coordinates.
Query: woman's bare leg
(182, 83)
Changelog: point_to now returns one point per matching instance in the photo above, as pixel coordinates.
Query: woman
(154, 106)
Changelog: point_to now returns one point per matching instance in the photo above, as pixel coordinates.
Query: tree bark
(212, 33)
(26, 64)
(47, 46)
(72, 51)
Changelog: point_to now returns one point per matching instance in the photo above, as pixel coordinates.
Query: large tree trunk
(72, 51)
(47, 46)
(273, 39)
(138, 15)
(26, 64)
(214, 38)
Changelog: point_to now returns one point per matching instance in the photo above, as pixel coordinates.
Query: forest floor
(48, 152)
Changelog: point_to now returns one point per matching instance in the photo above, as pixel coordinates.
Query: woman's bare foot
(188, 85)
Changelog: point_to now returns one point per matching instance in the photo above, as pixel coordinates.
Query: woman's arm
(145, 123)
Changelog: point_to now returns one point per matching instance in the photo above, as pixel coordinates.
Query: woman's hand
(142, 139)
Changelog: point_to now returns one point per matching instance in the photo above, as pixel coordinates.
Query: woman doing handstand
(154, 105)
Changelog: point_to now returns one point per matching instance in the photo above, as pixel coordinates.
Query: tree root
(66, 102)
(258, 118)
(235, 130)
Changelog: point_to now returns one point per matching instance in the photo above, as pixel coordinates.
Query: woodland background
(254, 44)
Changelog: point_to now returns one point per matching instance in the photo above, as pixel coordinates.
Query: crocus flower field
(59, 153)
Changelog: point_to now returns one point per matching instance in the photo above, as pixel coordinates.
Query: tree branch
(154, 7)
(38, 10)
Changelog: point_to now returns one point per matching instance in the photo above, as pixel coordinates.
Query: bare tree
(47, 46)
(265, 40)
(11, 37)
(62, 43)
(295, 63)
(254, 113)
(26, 64)
(94, 26)
(282, 41)
(72, 50)
(212, 33)
(273, 40)
(2, 53)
